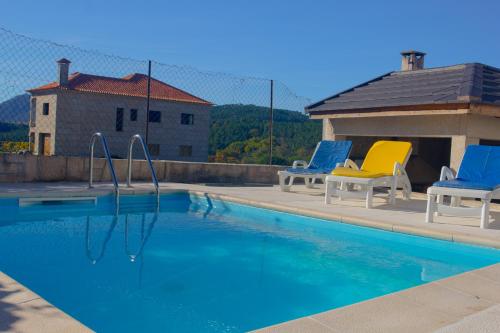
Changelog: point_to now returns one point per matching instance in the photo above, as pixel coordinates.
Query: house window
(187, 118)
(133, 114)
(45, 110)
(154, 116)
(119, 119)
(154, 149)
(185, 151)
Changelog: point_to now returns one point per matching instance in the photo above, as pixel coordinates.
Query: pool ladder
(108, 159)
(114, 179)
(145, 149)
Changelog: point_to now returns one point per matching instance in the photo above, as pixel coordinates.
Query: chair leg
(431, 207)
(439, 202)
(406, 188)
(485, 214)
(309, 182)
(455, 201)
(342, 187)
(322, 185)
(369, 196)
(314, 182)
(282, 182)
(283, 185)
(329, 187)
(392, 192)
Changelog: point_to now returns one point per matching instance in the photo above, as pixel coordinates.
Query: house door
(44, 144)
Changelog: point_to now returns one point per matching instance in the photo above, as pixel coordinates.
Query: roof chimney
(63, 71)
(412, 60)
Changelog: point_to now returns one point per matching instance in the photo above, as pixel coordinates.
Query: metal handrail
(108, 158)
(148, 158)
(88, 250)
(144, 236)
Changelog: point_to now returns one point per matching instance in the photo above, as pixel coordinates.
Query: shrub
(14, 146)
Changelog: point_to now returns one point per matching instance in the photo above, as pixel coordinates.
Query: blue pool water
(209, 266)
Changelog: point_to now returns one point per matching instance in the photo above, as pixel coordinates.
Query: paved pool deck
(463, 303)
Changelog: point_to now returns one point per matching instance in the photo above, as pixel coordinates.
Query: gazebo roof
(466, 83)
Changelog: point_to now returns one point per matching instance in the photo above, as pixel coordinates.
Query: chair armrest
(399, 170)
(402, 180)
(495, 194)
(299, 164)
(446, 174)
(350, 164)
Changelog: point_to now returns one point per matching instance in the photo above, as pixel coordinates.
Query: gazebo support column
(329, 131)
(458, 145)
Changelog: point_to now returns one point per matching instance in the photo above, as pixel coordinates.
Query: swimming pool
(201, 265)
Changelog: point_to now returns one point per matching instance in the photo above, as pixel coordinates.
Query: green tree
(239, 134)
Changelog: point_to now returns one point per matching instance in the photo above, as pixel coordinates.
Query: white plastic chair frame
(398, 179)
(309, 178)
(435, 205)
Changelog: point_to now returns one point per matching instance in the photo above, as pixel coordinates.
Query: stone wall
(42, 124)
(79, 115)
(30, 168)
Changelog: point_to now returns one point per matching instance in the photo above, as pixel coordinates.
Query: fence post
(147, 101)
(271, 111)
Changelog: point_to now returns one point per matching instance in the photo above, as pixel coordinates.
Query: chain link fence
(54, 97)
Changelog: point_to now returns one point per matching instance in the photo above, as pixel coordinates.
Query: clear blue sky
(315, 47)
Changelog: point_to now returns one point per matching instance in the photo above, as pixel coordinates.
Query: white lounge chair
(327, 155)
(384, 166)
(478, 177)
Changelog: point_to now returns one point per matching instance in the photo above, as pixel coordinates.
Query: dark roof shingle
(454, 84)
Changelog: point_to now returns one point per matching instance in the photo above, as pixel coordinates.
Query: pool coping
(477, 290)
(461, 237)
(22, 310)
(460, 303)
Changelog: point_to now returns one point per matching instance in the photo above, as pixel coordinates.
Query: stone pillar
(328, 131)
(458, 145)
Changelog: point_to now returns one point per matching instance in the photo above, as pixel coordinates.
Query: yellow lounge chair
(384, 166)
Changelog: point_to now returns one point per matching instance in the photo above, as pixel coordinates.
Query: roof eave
(394, 110)
(45, 90)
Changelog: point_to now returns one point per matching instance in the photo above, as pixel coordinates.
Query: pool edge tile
(389, 313)
(21, 310)
(301, 325)
(422, 231)
(400, 313)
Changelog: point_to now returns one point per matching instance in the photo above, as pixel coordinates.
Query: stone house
(65, 113)
(440, 110)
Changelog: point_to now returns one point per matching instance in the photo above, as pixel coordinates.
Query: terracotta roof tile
(134, 85)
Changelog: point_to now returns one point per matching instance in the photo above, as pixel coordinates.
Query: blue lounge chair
(478, 177)
(326, 156)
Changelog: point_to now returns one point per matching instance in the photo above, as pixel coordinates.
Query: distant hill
(15, 110)
(239, 134)
(14, 117)
(13, 132)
